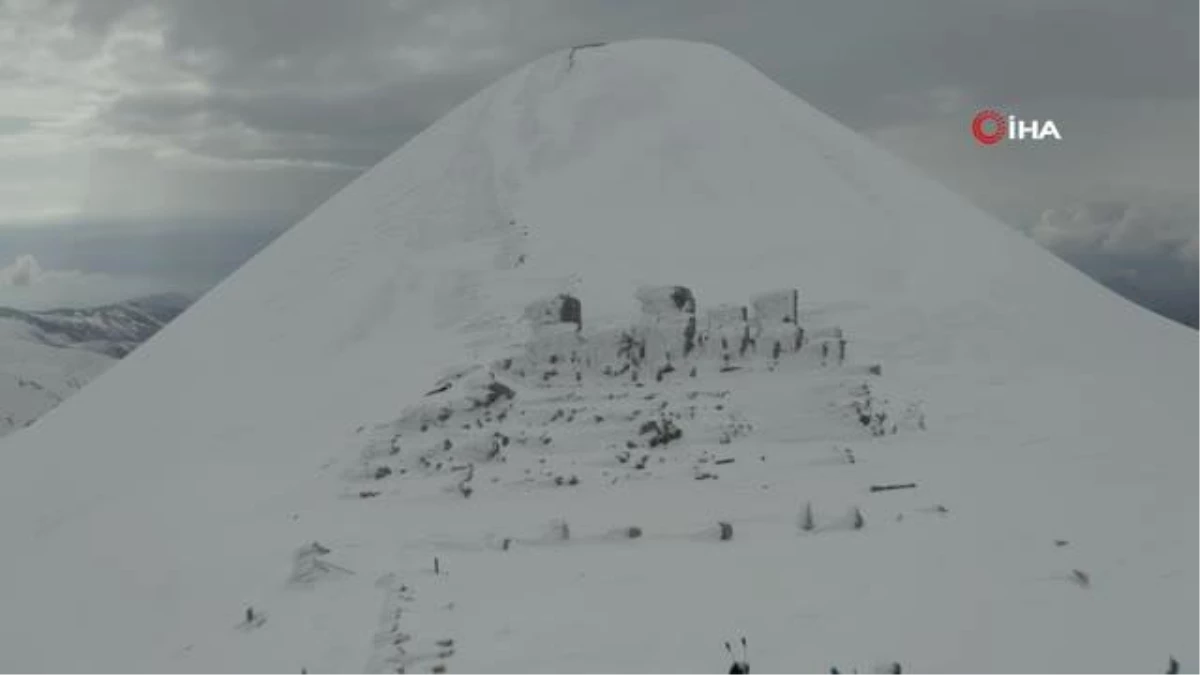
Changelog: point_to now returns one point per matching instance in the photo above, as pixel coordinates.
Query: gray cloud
(1116, 198)
(94, 262)
(1064, 50)
(352, 127)
(346, 82)
(25, 271)
(1188, 253)
(25, 284)
(14, 125)
(1146, 253)
(1120, 228)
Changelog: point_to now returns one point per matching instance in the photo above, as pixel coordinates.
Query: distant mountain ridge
(113, 330)
(48, 355)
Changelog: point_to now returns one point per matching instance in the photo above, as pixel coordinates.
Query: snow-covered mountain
(46, 356)
(113, 330)
(535, 394)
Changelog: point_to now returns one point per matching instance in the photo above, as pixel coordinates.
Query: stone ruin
(456, 425)
(664, 335)
(777, 322)
(667, 328)
(777, 306)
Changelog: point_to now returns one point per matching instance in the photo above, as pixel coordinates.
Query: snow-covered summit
(144, 514)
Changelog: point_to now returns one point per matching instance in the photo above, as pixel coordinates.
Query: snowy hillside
(433, 424)
(46, 356)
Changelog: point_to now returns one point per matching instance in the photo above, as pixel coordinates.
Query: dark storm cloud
(1014, 52)
(315, 45)
(381, 109)
(991, 52)
(353, 125)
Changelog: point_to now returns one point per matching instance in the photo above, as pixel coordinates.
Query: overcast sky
(156, 145)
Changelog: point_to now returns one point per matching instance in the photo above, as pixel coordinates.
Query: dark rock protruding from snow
(309, 567)
(576, 48)
(495, 391)
(571, 310)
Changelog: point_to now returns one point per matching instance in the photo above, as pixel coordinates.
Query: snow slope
(145, 514)
(35, 377)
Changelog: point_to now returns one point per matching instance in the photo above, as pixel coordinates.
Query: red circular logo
(989, 127)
